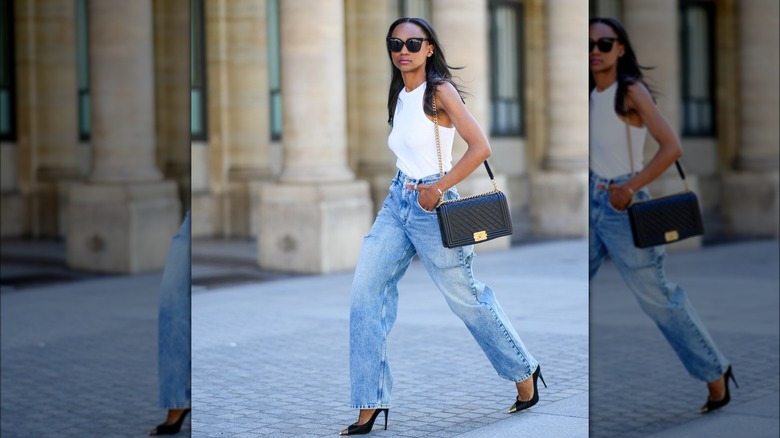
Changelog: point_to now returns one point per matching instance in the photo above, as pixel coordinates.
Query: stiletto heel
(525, 404)
(712, 405)
(362, 429)
(170, 429)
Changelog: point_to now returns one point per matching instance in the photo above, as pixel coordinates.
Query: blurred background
(95, 138)
(95, 180)
(715, 68)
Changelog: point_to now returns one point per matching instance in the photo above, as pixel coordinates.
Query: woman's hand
(428, 196)
(620, 196)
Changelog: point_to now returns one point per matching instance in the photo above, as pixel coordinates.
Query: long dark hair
(437, 70)
(629, 71)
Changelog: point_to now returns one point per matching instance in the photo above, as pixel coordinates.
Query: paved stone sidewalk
(80, 359)
(271, 358)
(638, 386)
(78, 351)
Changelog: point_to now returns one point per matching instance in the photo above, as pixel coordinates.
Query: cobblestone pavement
(78, 350)
(271, 358)
(638, 386)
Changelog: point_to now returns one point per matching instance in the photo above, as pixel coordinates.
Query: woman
(618, 95)
(407, 225)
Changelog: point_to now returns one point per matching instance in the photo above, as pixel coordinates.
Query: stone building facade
(95, 142)
(286, 108)
(295, 147)
(715, 68)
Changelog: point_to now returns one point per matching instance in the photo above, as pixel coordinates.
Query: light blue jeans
(643, 272)
(174, 323)
(402, 230)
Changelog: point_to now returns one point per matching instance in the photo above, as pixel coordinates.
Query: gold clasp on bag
(671, 236)
(480, 236)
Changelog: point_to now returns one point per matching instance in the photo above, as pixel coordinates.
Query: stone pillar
(751, 198)
(239, 131)
(314, 219)
(123, 220)
(47, 153)
(654, 31)
(559, 198)
(172, 92)
(314, 91)
(368, 79)
(462, 28)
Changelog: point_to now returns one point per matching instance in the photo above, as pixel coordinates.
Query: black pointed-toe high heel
(170, 429)
(712, 405)
(525, 404)
(362, 429)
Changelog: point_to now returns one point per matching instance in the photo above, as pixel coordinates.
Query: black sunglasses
(413, 44)
(604, 44)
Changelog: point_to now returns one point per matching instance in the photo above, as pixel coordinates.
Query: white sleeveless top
(608, 142)
(413, 140)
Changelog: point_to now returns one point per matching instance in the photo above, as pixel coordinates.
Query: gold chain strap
(438, 145)
(441, 168)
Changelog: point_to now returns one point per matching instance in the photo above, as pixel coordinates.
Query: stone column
(172, 92)
(314, 219)
(368, 79)
(48, 154)
(123, 220)
(559, 198)
(751, 198)
(462, 28)
(314, 91)
(654, 31)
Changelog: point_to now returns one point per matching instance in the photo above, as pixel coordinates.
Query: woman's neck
(413, 79)
(604, 79)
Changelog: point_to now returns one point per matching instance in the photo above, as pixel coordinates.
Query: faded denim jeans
(402, 230)
(643, 272)
(174, 323)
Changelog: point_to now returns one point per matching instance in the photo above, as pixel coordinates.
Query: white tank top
(608, 142)
(413, 140)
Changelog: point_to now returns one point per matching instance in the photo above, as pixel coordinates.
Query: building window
(7, 65)
(607, 9)
(506, 69)
(82, 69)
(197, 71)
(415, 9)
(274, 69)
(698, 68)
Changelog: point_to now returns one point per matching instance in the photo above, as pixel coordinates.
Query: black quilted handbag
(473, 219)
(666, 219)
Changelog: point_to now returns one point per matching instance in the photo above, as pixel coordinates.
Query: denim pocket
(417, 201)
(641, 195)
(612, 207)
(449, 195)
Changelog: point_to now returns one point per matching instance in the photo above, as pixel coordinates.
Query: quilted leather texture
(459, 220)
(675, 217)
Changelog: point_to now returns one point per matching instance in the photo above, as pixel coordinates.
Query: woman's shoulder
(447, 92)
(638, 93)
